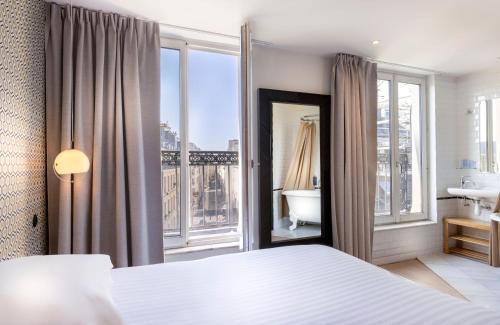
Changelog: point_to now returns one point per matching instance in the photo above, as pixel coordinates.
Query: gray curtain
(353, 154)
(107, 67)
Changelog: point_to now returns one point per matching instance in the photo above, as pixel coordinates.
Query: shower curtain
(300, 172)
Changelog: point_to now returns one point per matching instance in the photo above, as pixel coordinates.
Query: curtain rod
(234, 37)
(196, 30)
(403, 66)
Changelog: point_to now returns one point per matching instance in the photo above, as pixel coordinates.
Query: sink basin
(487, 193)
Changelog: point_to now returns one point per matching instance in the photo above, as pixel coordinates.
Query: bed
(289, 285)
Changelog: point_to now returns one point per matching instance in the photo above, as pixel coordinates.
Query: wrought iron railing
(201, 158)
(383, 189)
(384, 183)
(214, 190)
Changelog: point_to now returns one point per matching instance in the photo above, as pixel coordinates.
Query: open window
(200, 145)
(401, 190)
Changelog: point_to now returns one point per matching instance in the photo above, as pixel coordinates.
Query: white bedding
(289, 285)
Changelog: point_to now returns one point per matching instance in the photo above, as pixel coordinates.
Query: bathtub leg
(294, 221)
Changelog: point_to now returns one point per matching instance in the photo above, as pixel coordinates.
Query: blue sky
(212, 96)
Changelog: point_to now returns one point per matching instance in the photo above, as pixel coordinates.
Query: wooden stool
(467, 223)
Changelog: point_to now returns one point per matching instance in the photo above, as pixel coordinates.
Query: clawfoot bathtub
(304, 205)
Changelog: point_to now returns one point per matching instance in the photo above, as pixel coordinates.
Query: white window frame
(396, 216)
(183, 240)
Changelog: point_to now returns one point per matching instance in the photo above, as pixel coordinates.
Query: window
(401, 173)
(199, 145)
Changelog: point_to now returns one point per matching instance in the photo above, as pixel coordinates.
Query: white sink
(487, 193)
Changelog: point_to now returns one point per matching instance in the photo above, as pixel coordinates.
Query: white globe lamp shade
(71, 161)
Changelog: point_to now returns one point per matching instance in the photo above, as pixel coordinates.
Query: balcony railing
(214, 191)
(384, 184)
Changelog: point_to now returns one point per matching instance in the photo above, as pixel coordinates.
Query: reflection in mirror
(495, 134)
(296, 171)
(489, 135)
(483, 136)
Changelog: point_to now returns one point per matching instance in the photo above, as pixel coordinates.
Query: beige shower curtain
(300, 172)
(105, 68)
(353, 154)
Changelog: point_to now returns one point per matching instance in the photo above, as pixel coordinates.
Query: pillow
(57, 289)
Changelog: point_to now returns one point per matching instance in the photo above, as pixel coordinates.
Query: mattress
(290, 285)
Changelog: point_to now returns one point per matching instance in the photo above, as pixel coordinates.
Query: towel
(497, 206)
(494, 256)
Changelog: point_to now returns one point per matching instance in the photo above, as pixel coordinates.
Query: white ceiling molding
(191, 35)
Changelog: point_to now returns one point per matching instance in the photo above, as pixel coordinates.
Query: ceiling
(451, 36)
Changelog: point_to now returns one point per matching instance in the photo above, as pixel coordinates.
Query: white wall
(447, 143)
(282, 70)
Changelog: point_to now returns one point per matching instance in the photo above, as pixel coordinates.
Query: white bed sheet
(290, 285)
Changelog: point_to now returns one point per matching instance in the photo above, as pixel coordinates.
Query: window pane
(383, 190)
(213, 99)
(169, 140)
(234, 195)
(410, 151)
(196, 173)
(210, 202)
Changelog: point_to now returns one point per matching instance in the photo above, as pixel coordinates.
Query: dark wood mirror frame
(266, 98)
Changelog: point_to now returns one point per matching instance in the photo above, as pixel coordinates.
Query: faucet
(467, 182)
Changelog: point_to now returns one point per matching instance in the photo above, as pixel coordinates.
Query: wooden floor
(417, 272)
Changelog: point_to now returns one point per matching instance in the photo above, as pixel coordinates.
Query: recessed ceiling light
(375, 42)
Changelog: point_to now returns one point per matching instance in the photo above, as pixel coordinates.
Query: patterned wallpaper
(22, 128)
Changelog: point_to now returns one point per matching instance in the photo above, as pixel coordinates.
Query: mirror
(489, 135)
(296, 172)
(293, 196)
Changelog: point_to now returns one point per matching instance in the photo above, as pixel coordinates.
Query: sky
(212, 96)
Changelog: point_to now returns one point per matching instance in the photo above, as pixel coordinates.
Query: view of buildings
(168, 138)
(214, 186)
(170, 141)
(233, 145)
